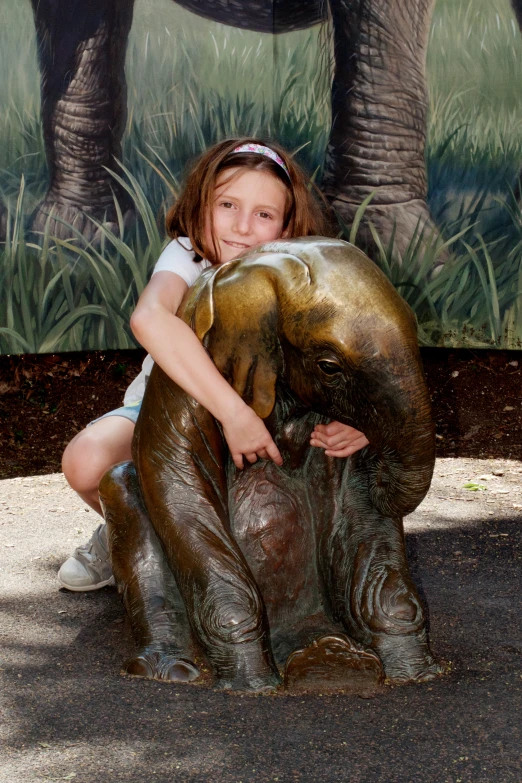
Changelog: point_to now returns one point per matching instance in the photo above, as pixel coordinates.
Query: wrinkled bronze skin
(254, 565)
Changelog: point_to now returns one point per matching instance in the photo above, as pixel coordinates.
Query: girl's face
(248, 209)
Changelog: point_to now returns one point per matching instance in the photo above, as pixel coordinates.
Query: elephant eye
(329, 368)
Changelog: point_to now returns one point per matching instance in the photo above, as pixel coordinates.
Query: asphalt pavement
(67, 714)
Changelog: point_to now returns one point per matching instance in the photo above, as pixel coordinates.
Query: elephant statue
(379, 105)
(299, 569)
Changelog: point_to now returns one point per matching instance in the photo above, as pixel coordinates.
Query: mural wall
(422, 168)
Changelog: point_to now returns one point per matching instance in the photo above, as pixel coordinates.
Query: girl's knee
(96, 449)
(85, 460)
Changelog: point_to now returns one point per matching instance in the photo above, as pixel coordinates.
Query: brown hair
(305, 211)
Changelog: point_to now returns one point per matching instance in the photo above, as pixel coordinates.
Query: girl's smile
(249, 209)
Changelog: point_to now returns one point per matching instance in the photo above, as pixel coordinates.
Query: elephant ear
(236, 316)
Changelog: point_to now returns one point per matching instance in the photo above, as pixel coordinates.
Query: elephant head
(318, 316)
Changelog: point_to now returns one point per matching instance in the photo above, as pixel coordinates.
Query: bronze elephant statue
(299, 569)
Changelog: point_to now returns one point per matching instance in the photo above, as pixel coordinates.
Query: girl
(239, 194)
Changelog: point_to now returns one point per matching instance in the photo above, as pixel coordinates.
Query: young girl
(239, 194)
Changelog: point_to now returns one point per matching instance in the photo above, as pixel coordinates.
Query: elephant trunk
(401, 455)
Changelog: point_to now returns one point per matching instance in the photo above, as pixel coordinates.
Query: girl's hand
(247, 435)
(338, 440)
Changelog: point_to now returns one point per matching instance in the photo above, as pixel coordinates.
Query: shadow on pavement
(71, 716)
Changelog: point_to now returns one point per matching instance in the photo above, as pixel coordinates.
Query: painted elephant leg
(186, 495)
(81, 49)
(379, 111)
(517, 8)
(517, 188)
(151, 598)
(363, 562)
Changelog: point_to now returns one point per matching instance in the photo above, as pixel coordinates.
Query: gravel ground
(67, 714)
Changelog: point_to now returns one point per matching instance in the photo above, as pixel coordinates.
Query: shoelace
(86, 550)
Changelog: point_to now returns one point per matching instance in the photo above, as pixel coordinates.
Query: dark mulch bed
(46, 399)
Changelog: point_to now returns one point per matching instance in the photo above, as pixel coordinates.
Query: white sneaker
(89, 568)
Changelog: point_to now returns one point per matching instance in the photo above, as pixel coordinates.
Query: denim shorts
(127, 411)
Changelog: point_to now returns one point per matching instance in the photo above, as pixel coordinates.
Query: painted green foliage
(191, 81)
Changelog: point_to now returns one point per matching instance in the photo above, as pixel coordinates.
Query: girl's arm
(177, 350)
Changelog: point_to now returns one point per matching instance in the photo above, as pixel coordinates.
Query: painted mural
(408, 116)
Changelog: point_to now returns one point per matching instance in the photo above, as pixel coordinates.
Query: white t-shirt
(178, 257)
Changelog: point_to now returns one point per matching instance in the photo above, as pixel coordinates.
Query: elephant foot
(409, 224)
(407, 658)
(69, 222)
(164, 666)
(3, 223)
(249, 669)
(334, 662)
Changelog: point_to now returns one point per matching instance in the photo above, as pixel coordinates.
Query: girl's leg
(85, 460)
(92, 452)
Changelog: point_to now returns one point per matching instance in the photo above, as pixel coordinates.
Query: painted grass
(474, 145)
(21, 141)
(192, 82)
(52, 302)
(184, 94)
(68, 295)
(474, 71)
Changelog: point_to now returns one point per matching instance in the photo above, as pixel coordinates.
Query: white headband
(259, 149)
